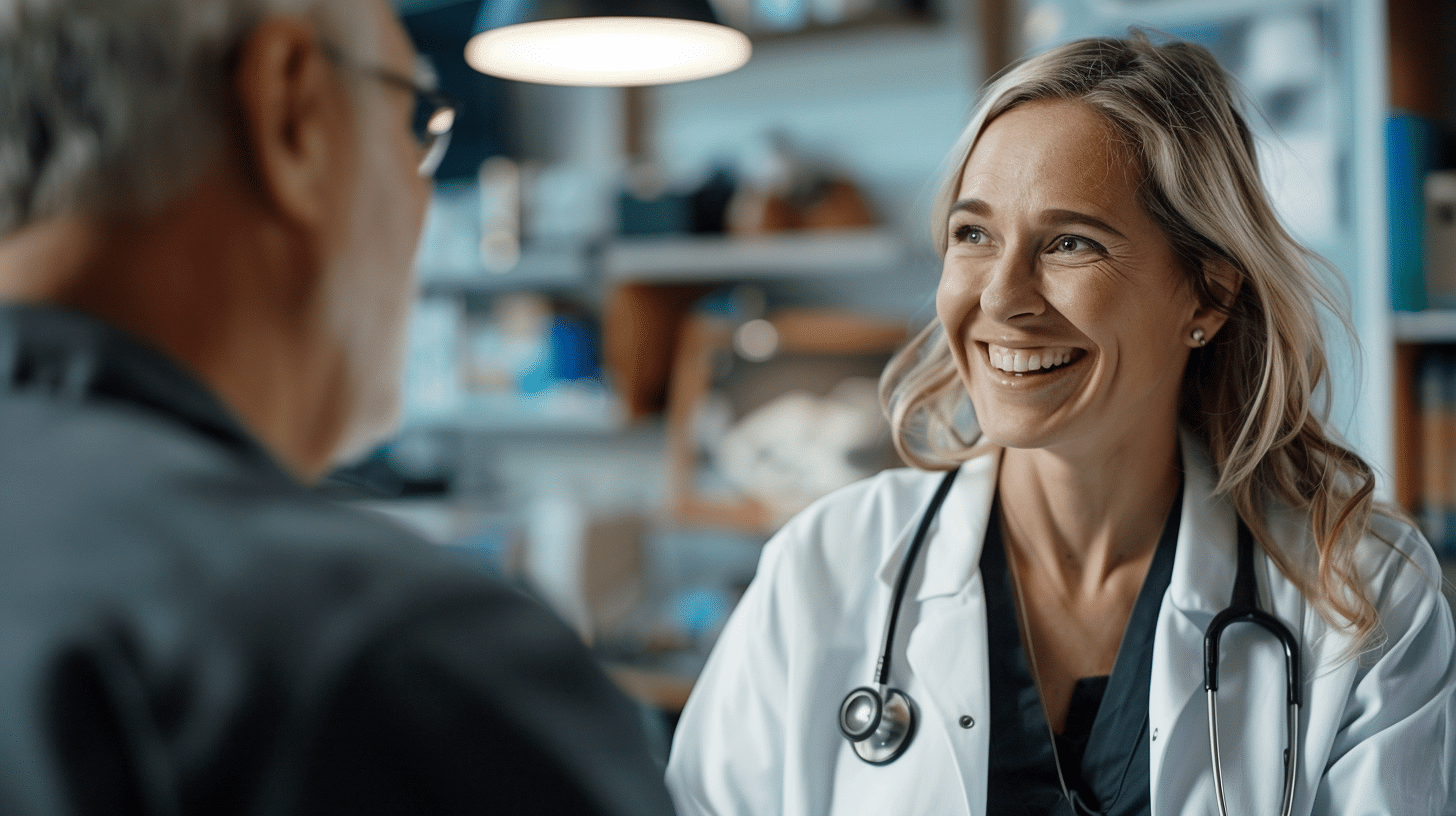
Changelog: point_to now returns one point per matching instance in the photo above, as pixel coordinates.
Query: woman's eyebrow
(974, 206)
(1059, 217)
(1062, 217)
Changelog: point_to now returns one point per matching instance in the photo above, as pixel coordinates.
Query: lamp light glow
(611, 51)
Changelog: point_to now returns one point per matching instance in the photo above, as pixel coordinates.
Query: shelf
(540, 267)
(1167, 13)
(584, 411)
(1429, 326)
(694, 258)
(872, 23)
(684, 259)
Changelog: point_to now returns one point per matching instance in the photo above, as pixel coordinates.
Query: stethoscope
(879, 720)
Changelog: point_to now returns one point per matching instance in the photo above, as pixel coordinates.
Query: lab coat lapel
(1203, 575)
(945, 570)
(1200, 587)
(946, 648)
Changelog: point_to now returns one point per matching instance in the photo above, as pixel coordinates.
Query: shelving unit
(541, 268)
(683, 259)
(683, 263)
(1429, 326)
(1416, 74)
(587, 414)
(697, 258)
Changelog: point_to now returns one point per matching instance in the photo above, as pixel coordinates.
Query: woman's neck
(1076, 519)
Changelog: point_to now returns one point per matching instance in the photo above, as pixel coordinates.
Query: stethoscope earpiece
(878, 723)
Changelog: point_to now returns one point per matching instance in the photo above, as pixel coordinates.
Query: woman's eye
(967, 234)
(1072, 243)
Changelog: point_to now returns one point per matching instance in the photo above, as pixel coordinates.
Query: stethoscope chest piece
(878, 720)
(878, 723)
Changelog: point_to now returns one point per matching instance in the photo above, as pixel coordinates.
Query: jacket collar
(1203, 570)
(951, 553)
(1207, 558)
(71, 357)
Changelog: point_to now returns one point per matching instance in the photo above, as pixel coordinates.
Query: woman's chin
(1017, 435)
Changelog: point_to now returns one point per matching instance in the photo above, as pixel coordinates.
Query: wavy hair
(1254, 394)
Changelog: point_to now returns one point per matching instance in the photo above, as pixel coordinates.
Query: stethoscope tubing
(902, 578)
(1244, 608)
(877, 738)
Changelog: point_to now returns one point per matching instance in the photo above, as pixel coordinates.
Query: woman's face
(1062, 300)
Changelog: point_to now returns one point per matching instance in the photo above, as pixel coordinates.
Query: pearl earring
(1200, 338)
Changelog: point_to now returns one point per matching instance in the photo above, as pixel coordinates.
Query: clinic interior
(650, 319)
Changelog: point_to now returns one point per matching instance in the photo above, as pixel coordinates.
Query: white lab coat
(760, 735)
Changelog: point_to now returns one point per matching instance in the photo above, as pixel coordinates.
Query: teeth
(1023, 360)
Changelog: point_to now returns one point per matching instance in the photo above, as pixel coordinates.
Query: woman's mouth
(1031, 361)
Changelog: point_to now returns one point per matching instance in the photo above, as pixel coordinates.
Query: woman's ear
(1223, 282)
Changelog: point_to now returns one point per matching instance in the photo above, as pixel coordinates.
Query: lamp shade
(596, 42)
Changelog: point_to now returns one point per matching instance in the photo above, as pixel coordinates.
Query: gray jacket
(184, 629)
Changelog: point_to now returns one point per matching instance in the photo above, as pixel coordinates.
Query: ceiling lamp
(600, 42)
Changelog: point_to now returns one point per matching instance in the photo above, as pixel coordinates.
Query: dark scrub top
(1103, 748)
(184, 629)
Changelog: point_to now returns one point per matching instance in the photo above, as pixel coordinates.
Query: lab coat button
(967, 721)
(1155, 735)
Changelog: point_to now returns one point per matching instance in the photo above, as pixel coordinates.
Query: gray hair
(1256, 394)
(115, 105)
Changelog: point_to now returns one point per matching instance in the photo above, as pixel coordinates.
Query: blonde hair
(1254, 394)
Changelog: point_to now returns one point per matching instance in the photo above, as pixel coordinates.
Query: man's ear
(293, 119)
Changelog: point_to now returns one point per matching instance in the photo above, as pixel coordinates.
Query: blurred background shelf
(567, 409)
(540, 268)
(1429, 326)
(692, 258)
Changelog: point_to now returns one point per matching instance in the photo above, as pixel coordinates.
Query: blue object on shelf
(1411, 145)
(573, 349)
(701, 610)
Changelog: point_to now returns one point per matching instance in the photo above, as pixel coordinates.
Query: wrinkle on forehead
(1055, 154)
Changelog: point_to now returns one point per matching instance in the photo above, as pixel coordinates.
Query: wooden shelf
(694, 258)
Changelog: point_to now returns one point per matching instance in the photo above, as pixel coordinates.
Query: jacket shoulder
(1398, 565)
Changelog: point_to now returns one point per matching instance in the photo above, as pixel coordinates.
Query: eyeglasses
(434, 115)
(433, 119)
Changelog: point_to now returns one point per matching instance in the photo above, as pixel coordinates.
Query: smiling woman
(1122, 383)
(1062, 298)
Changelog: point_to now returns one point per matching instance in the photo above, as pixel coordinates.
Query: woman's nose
(1011, 289)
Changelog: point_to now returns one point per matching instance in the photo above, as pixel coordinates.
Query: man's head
(244, 172)
(118, 104)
